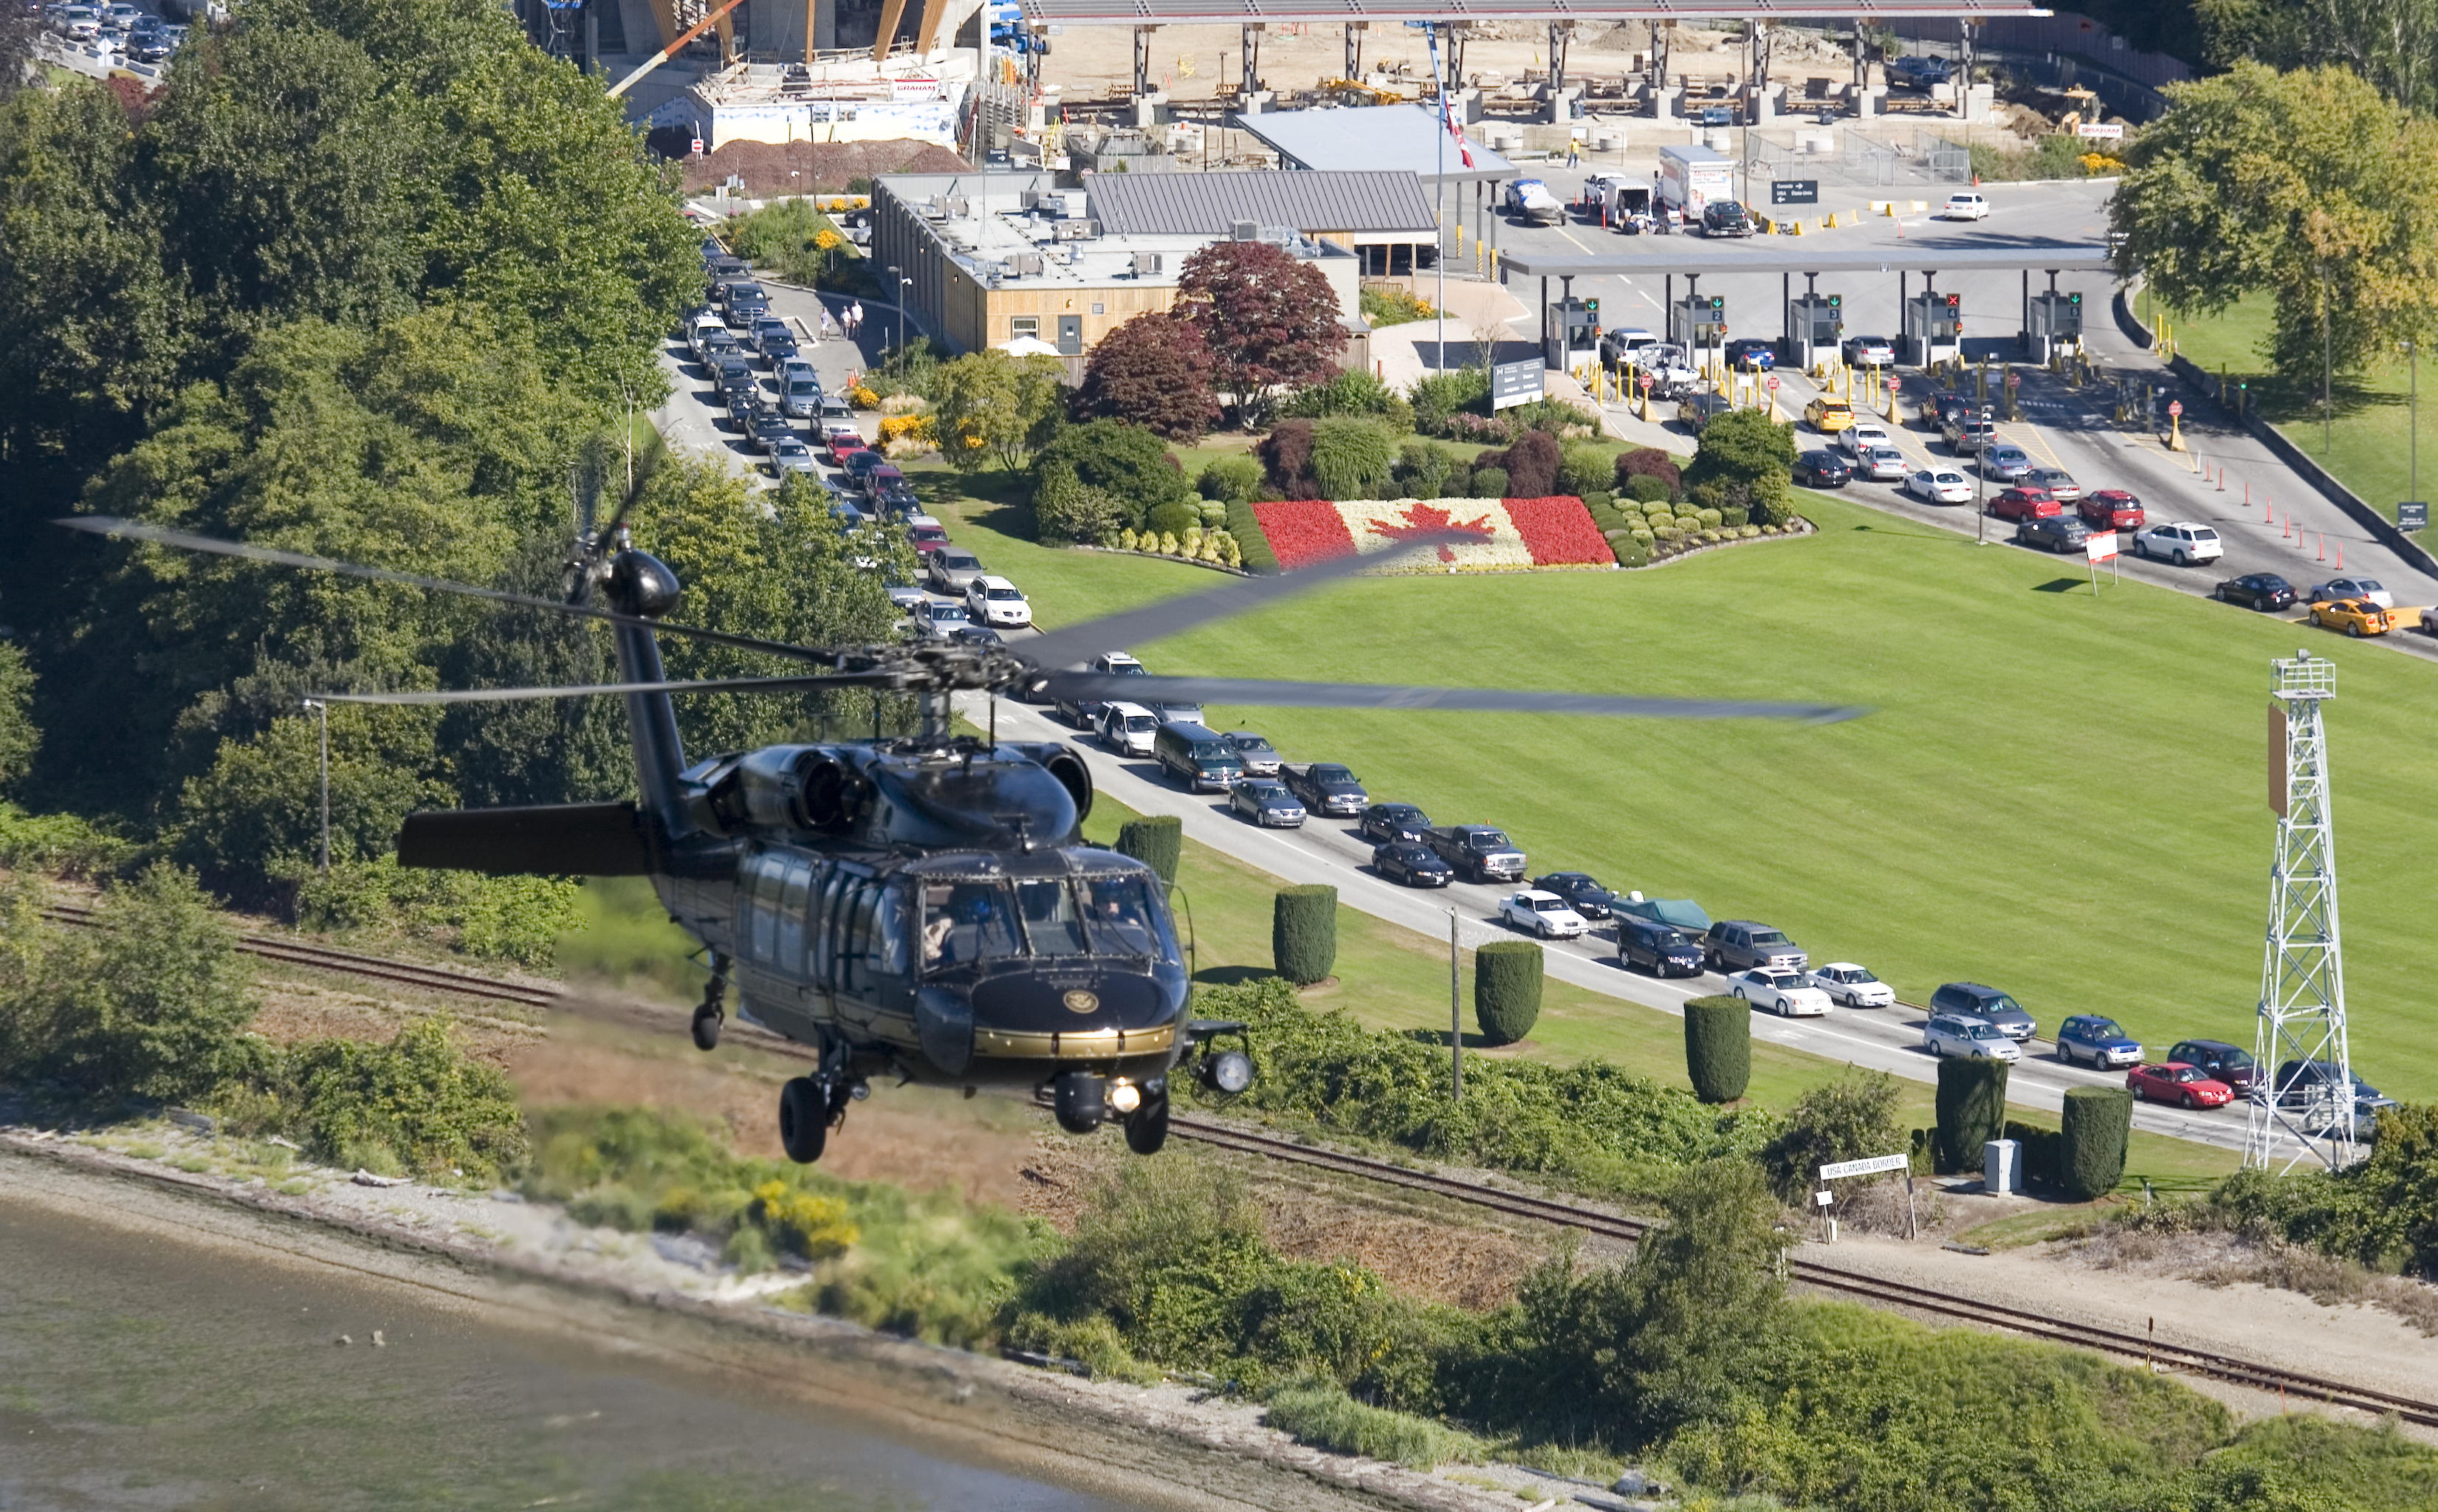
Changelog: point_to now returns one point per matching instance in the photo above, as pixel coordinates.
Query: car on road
(1726, 218)
(2255, 591)
(2110, 509)
(2184, 543)
(973, 635)
(1694, 411)
(2299, 1081)
(1389, 822)
(996, 602)
(1632, 345)
(1260, 757)
(926, 535)
(2058, 482)
(1740, 944)
(1412, 863)
(1126, 729)
(1940, 486)
(1862, 433)
(2054, 532)
(950, 571)
(1964, 1036)
(835, 410)
(2023, 503)
(1821, 469)
(1988, 1004)
(1327, 787)
(773, 340)
(1581, 891)
(1195, 756)
(1827, 415)
(2351, 588)
(1265, 801)
(1529, 201)
(744, 408)
(1869, 351)
(1881, 465)
(735, 374)
(934, 618)
(792, 455)
(1542, 913)
(1965, 208)
(903, 595)
(1751, 352)
(2187, 1087)
(2096, 1041)
(858, 467)
(1083, 711)
(841, 445)
(1851, 985)
(1784, 992)
(2356, 617)
(1939, 406)
(800, 389)
(2229, 1064)
(769, 429)
(1479, 851)
(2003, 459)
(1660, 949)
(1969, 435)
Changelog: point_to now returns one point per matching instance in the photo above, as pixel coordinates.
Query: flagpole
(1439, 228)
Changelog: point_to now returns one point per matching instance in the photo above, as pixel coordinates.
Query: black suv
(1662, 950)
(1582, 894)
(2057, 533)
(2225, 1063)
(1725, 217)
(1386, 823)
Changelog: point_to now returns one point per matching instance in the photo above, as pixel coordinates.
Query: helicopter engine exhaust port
(1080, 1100)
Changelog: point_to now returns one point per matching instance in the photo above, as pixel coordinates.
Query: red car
(2110, 509)
(2025, 503)
(929, 538)
(842, 445)
(2174, 1082)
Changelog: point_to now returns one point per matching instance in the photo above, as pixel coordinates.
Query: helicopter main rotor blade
(1137, 688)
(478, 696)
(186, 540)
(1081, 643)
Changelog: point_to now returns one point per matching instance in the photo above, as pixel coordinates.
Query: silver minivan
(800, 392)
(1975, 1039)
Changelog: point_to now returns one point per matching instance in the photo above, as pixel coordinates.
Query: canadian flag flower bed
(1514, 534)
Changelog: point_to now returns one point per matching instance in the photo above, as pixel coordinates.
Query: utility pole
(1456, 1015)
(2327, 370)
(2412, 425)
(323, 709)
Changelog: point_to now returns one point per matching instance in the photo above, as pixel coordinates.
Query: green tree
(150, 1003)
(1971, 1103)
(1126, 462)
(1718, 1046)
(1845, 1120)
(1745, 461)
(1303, 933)
(419, 1105)
(256, 814)
(18, 737)
(1351, 457)
(2392, 43)
(1507, 989)
(2311, 188)
(988, 406)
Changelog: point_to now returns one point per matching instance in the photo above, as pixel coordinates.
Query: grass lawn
(2368, 446)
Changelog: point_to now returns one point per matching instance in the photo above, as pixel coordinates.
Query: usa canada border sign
(1870, 1166)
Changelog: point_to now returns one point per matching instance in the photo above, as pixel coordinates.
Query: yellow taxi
(1829, 416)
(2356, 617)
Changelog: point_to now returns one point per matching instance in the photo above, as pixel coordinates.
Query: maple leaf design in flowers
(1426, 519)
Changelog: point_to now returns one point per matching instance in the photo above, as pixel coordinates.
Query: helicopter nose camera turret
(641, 585)
(1080, 1100)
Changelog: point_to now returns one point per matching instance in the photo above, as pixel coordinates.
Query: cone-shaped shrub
(2098, 1123)
(1156, 842)
(1718, 1048)
(1971, 1110)
(1303, 933)
(1507, 989)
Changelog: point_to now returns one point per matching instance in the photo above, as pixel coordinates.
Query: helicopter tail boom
(584, 840)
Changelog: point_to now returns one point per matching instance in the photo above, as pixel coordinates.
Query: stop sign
(697, 146)
(2176, 408)
(1772, 380)
(1648, 380)
(2014, 381)
(1895, 383)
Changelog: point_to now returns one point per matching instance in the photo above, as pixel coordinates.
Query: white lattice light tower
(2303, 974)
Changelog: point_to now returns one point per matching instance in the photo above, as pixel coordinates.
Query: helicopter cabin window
(792, 917)
(1051, 922)
(887, 952)
(823, 921)
(1123, 918)
(967, 921)
(770, 883)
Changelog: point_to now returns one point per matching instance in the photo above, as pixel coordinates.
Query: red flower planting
(1303, 531)
(1560, 532)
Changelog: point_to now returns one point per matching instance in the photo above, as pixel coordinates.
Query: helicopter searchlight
(919, 906)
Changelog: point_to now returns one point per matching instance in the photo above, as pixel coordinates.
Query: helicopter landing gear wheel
(1147, 1126)
(804, 1121)
(709, 1014)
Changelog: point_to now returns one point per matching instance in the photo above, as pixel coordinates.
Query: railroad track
(1220, 1135)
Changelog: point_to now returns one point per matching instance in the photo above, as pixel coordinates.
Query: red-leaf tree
(1154, 372)
(1268, 317)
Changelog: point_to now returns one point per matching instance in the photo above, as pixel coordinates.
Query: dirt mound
(771, 168)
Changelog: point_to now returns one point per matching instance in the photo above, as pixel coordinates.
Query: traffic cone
(2287, 533)
(2323, 546)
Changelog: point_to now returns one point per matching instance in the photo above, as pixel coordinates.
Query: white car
(1789, 992)
(1977, 1039)
(2186, 542)
(1545, 913)
(1529, 199)
(1940, 486)
(1861, 434)
(994, 601)
(1851, 985)
(1881, 465)
(1128, 729)
(2349, 588)
(1965, 208)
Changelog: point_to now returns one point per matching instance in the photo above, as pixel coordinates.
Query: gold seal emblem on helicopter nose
(1080, 1001)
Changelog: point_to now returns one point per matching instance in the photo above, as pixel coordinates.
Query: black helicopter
(919, 906)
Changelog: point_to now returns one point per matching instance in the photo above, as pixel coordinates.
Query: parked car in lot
(1266, 802)
(2184, 543)
(1869, 351)
(1740, 944)
(2356, 617)
(1480, 852)
(997, 603)
(1581, 891)
(1542, 913)
(1988, 1004)
(2001, 460)
(1195, 756)
(1783, 992)
(2187, 1087)
(1660, 949)
(950, 570)
(1820, 469)
(1111, 663)
(2023, 503)
(1327, 787)
(2057, 533)
(1827, 415)
(1260, 757)
(1940, 486)
(2098, 1042)
(1412, 863)
(2229, 1064)
(1965, 208)
(2255, 591)
(2110, 509)
(2351, 588)
(1855, 987)
(1126, 729)
(2058, 482)
(1387, 822)
(1881, 464)
(1962, 1035)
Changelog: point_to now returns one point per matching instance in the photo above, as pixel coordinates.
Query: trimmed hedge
(1507, 989)
(1303, 933)
(1971, 1110)
(1247, 528)
(1157, 842)
(2044, 1157)
(2098, 1122)
(1718, 1048)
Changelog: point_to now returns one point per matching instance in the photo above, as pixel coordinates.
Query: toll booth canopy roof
(1404, 138)
(1653, 256)
(1225, 12)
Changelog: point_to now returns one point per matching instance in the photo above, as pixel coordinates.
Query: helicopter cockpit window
(1123, 918)
(1049, 920)
(967, 921)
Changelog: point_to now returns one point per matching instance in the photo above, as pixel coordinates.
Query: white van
(1128, 729)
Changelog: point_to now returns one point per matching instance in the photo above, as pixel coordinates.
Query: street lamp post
(897, 292)
(1981, 490)
(322, 710)
(2413, 424)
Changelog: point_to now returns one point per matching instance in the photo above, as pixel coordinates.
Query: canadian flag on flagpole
(1447, 117)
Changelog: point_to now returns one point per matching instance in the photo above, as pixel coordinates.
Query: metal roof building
(1355, 206)
(1406, 138)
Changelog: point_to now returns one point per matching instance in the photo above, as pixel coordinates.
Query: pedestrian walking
(855, 318)
(1574, 152)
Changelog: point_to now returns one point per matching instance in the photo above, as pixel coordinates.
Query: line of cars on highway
(119, 32)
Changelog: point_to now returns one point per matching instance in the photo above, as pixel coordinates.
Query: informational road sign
(1795, 191)
(2100, 547)
(1512, 383)
(1870, 1166)
(2413, 516)
(2175, 407)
